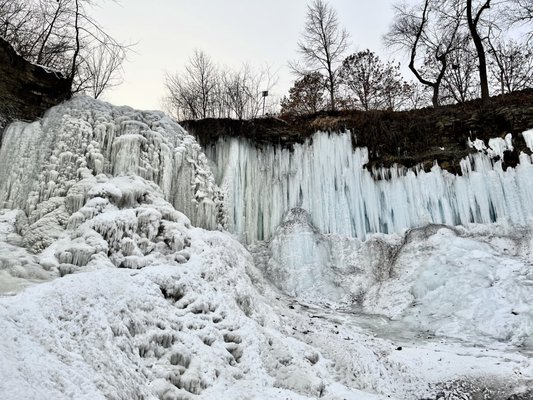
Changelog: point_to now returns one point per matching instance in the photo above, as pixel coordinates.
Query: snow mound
(459, 282)
(450, 283)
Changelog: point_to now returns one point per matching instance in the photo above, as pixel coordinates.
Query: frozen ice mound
(470, 283)
(302, 262)
(48, 167)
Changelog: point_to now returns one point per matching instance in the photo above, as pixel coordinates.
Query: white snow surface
(326, 176)
(107, 291)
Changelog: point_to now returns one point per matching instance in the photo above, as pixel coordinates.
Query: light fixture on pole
(265, 94)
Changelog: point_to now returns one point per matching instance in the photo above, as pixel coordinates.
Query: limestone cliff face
(27, 90)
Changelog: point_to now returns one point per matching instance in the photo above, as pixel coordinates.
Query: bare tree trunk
(331, 90)
(478, 43)
(77, 50)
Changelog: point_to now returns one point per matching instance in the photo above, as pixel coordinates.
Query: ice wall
(48, 167)
(325, 176)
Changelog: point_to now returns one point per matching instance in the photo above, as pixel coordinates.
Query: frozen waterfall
(48, 167)
(326, 177)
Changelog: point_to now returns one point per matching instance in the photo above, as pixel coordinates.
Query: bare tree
(60, 34)
(101, 69)
(511, 64)
(323, 45)
(460, 82)
(418, 96)
(243, 90)
(204, 90)
(429, 35)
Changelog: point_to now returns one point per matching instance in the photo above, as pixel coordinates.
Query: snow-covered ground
(107, 291)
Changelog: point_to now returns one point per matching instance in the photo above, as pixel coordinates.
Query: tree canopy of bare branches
(204, 90)
(428, 34)
(306, 96)
(323, 45)
(511, 64)
(61, 35)
(372, 84)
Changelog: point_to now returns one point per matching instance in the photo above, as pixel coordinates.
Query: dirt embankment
(408, 137)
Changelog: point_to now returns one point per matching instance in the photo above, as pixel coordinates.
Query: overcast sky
(230, 31)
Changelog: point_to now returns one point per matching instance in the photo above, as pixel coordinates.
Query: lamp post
(265, 94)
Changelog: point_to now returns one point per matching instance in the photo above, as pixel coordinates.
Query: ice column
(326, 177)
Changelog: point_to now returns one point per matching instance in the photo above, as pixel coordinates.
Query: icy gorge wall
(27, 90)
(50, 168)
(328, 178)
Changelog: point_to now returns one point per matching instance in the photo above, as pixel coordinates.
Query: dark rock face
(27, 90)
(408, 138)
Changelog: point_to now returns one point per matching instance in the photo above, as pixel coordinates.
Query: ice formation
(528, 138)
(139, 304)
(48, 167)
(325, 176)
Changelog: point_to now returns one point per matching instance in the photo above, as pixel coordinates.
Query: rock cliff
(27, 90)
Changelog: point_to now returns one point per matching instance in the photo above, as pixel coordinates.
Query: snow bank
(326, 177)
(471, 283)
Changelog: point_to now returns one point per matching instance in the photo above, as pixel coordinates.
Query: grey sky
(230, 31)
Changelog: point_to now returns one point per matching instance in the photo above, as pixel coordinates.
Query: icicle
(84, 137)
(528, 138)
(327, 178)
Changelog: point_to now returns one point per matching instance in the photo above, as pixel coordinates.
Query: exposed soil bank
(406, 137)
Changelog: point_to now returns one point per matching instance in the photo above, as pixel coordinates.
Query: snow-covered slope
(325, 176)
(472, 282)
(128, 300)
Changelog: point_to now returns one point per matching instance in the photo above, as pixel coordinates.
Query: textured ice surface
(48, 167)
(302, 260)
(472, 282)
(325, 176)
